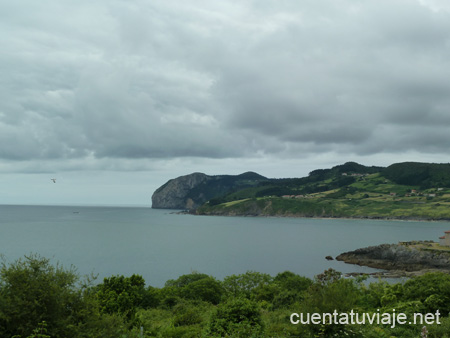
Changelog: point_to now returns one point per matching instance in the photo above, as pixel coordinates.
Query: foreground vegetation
(400, 191)
(38, 299)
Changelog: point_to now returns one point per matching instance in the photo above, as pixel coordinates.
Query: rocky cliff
(410, 256)
(191, 191)
(175, 193)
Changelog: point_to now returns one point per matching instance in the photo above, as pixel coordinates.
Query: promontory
(408, 190)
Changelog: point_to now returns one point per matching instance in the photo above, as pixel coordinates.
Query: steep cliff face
(175, 194)
(191, 191)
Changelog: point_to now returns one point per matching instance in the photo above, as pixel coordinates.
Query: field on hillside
(367, 196)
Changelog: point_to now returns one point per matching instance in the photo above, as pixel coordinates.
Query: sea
(162, 244)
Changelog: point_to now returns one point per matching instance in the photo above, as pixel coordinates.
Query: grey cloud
(380, 81)
(138, 80)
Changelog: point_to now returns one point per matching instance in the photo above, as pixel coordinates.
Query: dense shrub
(245, 285)
(38, 299)
(35, 295)
(238, 317)
(119, 294)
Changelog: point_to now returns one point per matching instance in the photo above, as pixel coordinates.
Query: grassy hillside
(401, 191)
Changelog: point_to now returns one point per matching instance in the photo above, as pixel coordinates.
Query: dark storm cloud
(137, 79)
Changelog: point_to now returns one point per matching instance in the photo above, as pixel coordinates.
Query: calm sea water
(161, 245)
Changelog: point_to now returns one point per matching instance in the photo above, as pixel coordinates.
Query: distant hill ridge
(328, 192)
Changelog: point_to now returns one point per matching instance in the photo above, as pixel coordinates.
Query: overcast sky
(115, 97)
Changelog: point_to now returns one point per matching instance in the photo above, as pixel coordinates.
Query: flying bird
(54, 180)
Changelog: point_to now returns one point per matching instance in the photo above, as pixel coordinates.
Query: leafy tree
(373, 293)
(122, 295)
(432, 289)
(35, 294)
(391, 294)
(151, 297)
(40, 331)
(185, 279)
(291, 281)
(206, 289)
(195, 286)
(292, 288)
(244, 285)
(187, 313)
(238, 317)
(330, 292)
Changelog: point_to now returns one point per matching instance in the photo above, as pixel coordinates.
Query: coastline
(394, 266)
(405, 259)
(372, 218)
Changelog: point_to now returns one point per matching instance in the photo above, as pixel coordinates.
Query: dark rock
(397, 257)
(329, 258)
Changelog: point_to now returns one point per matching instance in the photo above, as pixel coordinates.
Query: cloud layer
(94, 83)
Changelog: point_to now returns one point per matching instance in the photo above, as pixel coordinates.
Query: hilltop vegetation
(38, 299)
(401, 191)
(425, 175)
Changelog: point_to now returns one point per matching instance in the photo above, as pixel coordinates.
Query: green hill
(407, 190)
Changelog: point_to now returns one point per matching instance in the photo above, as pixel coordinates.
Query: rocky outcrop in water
(404, 256)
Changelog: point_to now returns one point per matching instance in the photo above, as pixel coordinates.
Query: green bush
(34, 292)
(122, 295)
(432, 289)
(187, 313)
(292, 288)
(238, 317)
(244, 285)
(207, 289)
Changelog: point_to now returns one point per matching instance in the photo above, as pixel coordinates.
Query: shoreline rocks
(400, 260)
